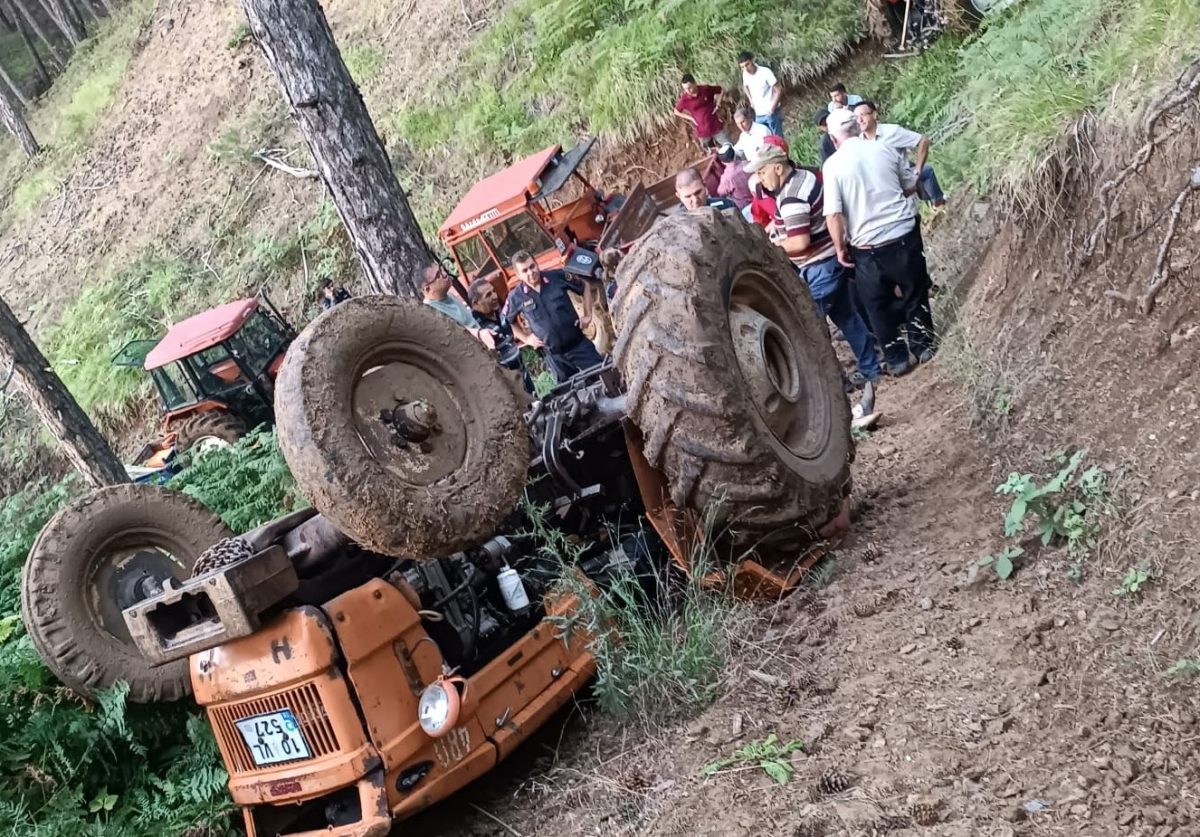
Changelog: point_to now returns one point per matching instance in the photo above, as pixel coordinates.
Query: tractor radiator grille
(305, 703)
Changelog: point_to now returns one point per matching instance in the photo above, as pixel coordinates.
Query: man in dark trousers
(541, 314)
(800, 229)
(874, 226)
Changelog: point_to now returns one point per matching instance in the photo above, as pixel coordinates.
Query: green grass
(363, 61)
(1000, 103)
(546, 70)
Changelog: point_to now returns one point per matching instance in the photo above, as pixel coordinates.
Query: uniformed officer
(541, 314)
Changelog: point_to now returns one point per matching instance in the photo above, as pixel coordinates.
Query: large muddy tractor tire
(732, 379)
(99, 555)
(201, 433)
(400, 428)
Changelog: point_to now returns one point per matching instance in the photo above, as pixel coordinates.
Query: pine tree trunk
(106, 8)
(39, 66)
(81, 442)
(14, 121)
(32, 22)
(17, 94)
(55, 13)
(299, 46)
(80, 8)
(7, 21)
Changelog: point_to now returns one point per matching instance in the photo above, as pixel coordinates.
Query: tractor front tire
(202, 432)
(401, 428)
(732, 379)
(89, 563)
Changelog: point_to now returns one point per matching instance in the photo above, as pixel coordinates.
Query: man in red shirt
(698, 105)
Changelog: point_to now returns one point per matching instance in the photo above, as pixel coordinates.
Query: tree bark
(79, 8)
(299, 46)
(14, 121)
(81, 442)
(39, 66)
(7, 21)
(17, 95)
(55, 13)
(31, 21)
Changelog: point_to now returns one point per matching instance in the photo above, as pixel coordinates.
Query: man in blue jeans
(799, 228)
(764, 92)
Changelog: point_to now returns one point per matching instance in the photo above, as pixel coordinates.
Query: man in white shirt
(753, 134)
(764, 92)
(874, 227)
(904, 142)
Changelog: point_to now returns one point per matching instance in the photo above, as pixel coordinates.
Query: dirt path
(1017, 708)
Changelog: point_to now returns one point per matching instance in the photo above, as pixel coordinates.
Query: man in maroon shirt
(698, 105)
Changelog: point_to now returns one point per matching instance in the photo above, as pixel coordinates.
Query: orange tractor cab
(214, 373)
(545, 206)
(523, 208)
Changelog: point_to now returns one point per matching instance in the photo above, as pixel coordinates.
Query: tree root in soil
(1187, 86)
(1162, 261)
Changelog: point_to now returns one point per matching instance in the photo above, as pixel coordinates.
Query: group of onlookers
(851, 227)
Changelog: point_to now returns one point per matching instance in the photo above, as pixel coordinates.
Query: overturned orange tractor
(362, 660)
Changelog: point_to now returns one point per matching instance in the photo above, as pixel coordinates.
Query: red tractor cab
(215, 372)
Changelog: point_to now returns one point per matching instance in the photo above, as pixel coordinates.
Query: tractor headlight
(438, 707)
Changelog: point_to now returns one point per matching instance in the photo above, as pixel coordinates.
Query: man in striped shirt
(799, 228)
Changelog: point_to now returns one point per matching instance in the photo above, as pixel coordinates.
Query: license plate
(274, 737)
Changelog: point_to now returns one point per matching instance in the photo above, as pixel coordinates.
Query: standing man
(753, 134)
(764, 93)
(825, 146)
(541, 314)
(904, 142)
(698, 104)
(801, 231)
(435, 291)
(874, 228)
(839, 98)
(494, 331)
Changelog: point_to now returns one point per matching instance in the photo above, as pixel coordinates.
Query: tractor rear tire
(213, 428)
(83, 570)
(732, 379)
(396, 494)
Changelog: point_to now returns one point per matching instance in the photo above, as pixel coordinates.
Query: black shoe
(925, 356)
(899, 370)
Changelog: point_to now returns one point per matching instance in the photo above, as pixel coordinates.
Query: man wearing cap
(874, 228)
(763, 91)
(801, 231)
(698, 104)
(541, 314)
(735, 180)
(904, 142)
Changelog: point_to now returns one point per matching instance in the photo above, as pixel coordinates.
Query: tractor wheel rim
(207, 444)
(769, 343)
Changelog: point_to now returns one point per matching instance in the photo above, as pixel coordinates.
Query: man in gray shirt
(874, 226)
(435, 288)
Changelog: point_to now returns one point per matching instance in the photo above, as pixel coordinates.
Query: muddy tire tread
(684, 390)
(66, 637)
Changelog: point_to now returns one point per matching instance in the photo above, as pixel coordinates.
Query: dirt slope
(1035, 706)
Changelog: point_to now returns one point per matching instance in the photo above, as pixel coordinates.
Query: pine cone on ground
(925, 814)
(833, 782)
